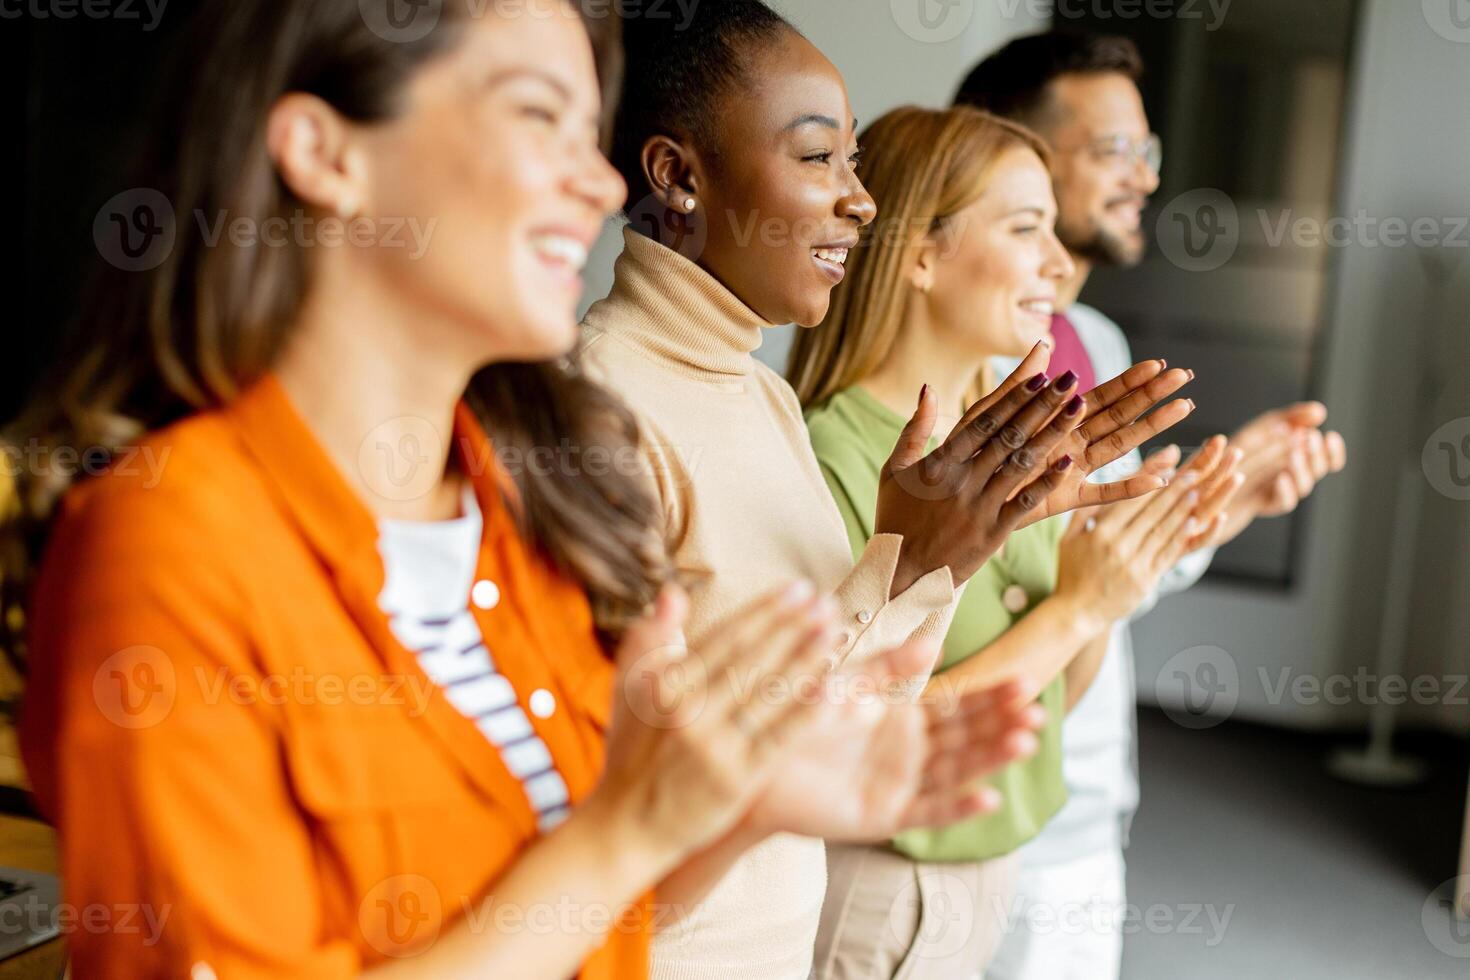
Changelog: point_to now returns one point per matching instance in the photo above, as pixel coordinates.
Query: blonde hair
(921, 166)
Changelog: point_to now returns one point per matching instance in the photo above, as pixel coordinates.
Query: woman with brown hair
(964, 266)
(332, 692)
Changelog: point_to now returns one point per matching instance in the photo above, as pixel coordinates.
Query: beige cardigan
(747, 509)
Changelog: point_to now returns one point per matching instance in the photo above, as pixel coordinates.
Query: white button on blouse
(1015, 600)
(485, 594)
(543, 703)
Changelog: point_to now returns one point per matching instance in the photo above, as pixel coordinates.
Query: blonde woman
(965, 266)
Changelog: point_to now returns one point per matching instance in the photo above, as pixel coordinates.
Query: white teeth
(1041, 306)
(560, 248)
(837, 255)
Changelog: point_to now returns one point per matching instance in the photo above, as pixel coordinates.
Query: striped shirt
(429, 569)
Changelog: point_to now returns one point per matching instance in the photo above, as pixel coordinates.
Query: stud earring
(688, 204)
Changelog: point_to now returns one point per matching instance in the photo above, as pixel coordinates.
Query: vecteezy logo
(1446, 926)
(401, 21)
(135, 688)
(686, 234)
(1199, 230)
(395, 459)
(666, 687)
(1199, 687)
(1450, 19)
(932, 21)
(1446, 459)
(400, 916)
(135, 229)
(945, 910)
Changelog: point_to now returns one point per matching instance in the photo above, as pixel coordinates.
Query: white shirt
(429, 571)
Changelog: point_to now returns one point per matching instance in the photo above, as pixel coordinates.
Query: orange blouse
(246, 769)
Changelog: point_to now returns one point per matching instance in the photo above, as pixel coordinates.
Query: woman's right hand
(1113, 556)
(688, 748)
(956, 505)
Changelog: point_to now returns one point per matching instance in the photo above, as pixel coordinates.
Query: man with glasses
(1080, 93)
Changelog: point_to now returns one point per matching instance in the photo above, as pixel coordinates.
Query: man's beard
(1099, 246)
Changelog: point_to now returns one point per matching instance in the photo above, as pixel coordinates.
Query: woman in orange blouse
(322, 371)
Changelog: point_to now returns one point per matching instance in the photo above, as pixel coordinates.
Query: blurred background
(1311, 241)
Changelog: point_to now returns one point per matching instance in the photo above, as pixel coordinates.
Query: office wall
(1392, 373)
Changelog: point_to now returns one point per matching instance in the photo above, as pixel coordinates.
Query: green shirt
(853, 434)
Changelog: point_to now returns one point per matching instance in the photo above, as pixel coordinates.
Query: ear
(671, 171)
(313, 150)
(925, 265)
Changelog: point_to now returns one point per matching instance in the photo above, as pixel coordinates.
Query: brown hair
(1015, 82)
(922, 166)
(154, 346)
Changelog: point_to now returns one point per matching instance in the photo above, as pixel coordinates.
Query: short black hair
(677, 68)
(1013, 81)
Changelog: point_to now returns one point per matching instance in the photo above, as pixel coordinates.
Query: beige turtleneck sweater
(747, 510)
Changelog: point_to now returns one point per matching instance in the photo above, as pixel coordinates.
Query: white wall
(889, 58)
(1407, 142)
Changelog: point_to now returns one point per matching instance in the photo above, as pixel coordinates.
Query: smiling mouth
(1129, 208)
(832, 260)
(562, 253)
(1038, 307)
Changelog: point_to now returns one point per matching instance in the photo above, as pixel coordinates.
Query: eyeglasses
(1120, 151)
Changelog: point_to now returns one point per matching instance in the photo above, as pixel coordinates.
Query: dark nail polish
(1037, 383)
(1074, 406)
(1066, 381)
(923, 390)
(1064, 463)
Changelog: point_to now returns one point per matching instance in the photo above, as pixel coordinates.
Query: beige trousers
(888, 917)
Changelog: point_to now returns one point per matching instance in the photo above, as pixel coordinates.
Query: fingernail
(1064, 463)
(923, 390)
(1037, 383)
(1190, 373)
(798, 592)
(1191, 527)
(1192, 406)
(1191, 478)
(1163, 364)
(1045, 342)
(1066, 381)
(1191, 498)
(1074, 406)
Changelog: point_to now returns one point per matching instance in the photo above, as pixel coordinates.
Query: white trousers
(1065, 923)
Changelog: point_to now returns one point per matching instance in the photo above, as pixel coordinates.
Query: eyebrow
(511, 74)
(815, 117)
(1040, 212)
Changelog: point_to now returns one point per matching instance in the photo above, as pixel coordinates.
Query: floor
(1255, 863)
